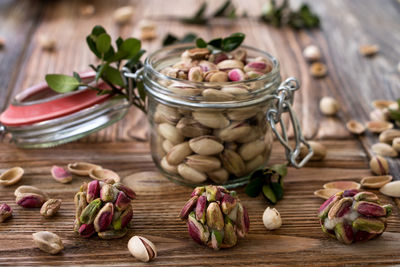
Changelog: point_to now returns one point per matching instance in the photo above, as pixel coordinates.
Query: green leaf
(201, 43)
(113, 75)
(91, 39)
(222, 9)
(198, 17)
(98, 30)
(76, 75)
(100, 71)
(201, 10)
(103, 43)
(217, 43)
(134, 63)
(119, 41)
(172, 39)
(254, 187)
(232, 42)
(281, 169)
(188, 38)
(131, 46)
(142, 92)
(269, 194)
(278, 190)
(62, 83)
(169, 39)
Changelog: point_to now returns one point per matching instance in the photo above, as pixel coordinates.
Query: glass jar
(219, 132)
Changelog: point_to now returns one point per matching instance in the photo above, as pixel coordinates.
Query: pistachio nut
(86, 230)
(382, 104)
(198, 191)
(219, 176)
(195, 74)
(391, 189)
(113, 234)
(198, 53)
(368, 50)
(191, 174)
(242, 221)
(255, 133)
(329, 105)
(218, 57)
(229, 64)
(127, 190)
(259, 66)
(206, 145)
(213, 193)
(383, 149)
(80, 204)
(236, 130)
(167, 145)
(5, 212)
(215, 219)
(24, 189)
(216, 76)
(366, 196)
(48, 242)
(328, 204)
(396, 144)
(108, 193)
(240, 54)
(370, 209)
(236, 75)
(312, 53)
(235, 90)
(93, 191)
(318, 149)
(251, 150)
(318, 69)
(375, 181)
(168, 167)
(228, 203)
(183, 65)
(82, 168)
(30, 200)
(104, 217)
(188, 207)
(255, 163)
(203, 163)
(355, 127)
(122, 202)
(216, 95)
(230, 238)
(232, 162)
(389, 135)
(191, 128)
(166, 114)
(50, 207)
(182, 89)
(242, 113)
(103, 174)
(178, 153)
(122, 219)
(77, 225)
(207, 65)
(169, 132)
(217, 237)
(11, 176)
(197, 230)
(326, 193)
(379, 165)
(60, 174)
(344, 233)
(370, 225)
(142, 248)
(340, 208)
(200, 210)
(215, 120)
(90, 211)
(379, 126)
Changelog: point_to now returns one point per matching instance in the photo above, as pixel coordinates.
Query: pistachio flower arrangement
(215, 217)
(352, 216)
(103, 208)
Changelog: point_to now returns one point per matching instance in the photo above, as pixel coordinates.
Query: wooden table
(353, 79)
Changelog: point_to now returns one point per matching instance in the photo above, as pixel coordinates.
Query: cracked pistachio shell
(355, 127)
(254, 134)
(26, 189)
(326, 193)
(167, 114)
(206, 145)
(230, 64)
(167, 145)
(219, 176)
(235, 90)
(178, 153)
(396, 144)
(242, 113)
(50, 207)
(232, 162)
(379, 126)
(251, 150)
(203, 163)
(342, 185)
(384, 150)
(375, 181)
(340, 208)
(189, 127)
(168, 167)
(389, 135)
(82, 168)
(379, 165)
(104, 174)
(214, 95)
(236, 130)
(215, 120)
(191, 174)
(11, 176)
(255, 163)
(170, 132)
(318, 149)
(142, 248)
(5, 212)
(48, 242)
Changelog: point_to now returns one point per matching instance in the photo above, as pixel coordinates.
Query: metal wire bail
(284, 96)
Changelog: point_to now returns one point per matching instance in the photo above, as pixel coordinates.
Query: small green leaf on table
(62, 83)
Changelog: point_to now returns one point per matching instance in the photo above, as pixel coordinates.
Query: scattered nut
(87, 10)
(375, 181)
(147, 30)
(123, 14)
(368, 50)
(27, 189)
(382, 104)
(103, 174)
(50, 207)
(389, 135)
(142, 248)
(396, 144)
(61, 175)
(379, 115)
(391, 189)
(355, 127)
(5, 212)
(11, 176)
(272, 219)
(82, 168)
(48, 242)
(312, 53)
(384, 150)
(379, 165)
(318, 149)
(329, 105)
(379, 126)
(47, 43)
(342, 185)
(318, 69)
(326, 192)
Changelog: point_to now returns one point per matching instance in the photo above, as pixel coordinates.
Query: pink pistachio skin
(104, 218)
(228, 203)
(236, 75)
(201, 208)
(93, 191)
(126, 217)
(129, 192)
(86, 230)
(122, 201)
(30, 201)
(258, 66)
(59, 172)
(194, 232)
(197, 191)
(370, 209)
(350, 193)
(188, 207)
(220, 57)
(5, 212)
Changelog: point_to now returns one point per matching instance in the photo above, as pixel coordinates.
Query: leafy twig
(227, 44)
(172, 39)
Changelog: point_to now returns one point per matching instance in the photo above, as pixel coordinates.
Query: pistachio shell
(191, 128)
(191, 174)
(375, 181)
(379, 115)
(167, 145)
(213, 120)
(230, 64)
(326, 193)
(11, 176)
(235, 90)
(254, 163)
(242, 113)
(216, 95)
(236, 130)
(396, 144)
(381, 104)
(379, 126)
(206, 145)
(165, 113)
(219, 176)
(178, 153)
(391, 189)
(168, 167)
(169, 132)
(389, 135)
(82, 168)
(342, 185)
(328, 105)
(104, 174)
(203, 163)
(318, 149)
(355, 127)
(379, 165)
(251, 150)
(27, 189)
(384, 150)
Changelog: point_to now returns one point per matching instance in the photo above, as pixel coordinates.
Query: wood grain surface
(353, 79)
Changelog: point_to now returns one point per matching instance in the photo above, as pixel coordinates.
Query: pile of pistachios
(215, 144)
